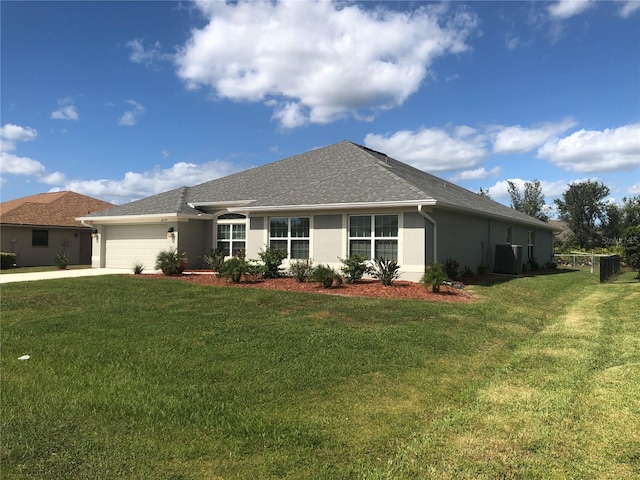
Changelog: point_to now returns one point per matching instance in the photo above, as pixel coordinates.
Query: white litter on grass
(24, 357)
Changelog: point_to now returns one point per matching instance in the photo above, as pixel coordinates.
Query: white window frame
(531, 244)
(289, 238)
(230, 241)
(372, 238)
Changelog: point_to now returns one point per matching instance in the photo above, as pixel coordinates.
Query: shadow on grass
(490, 279)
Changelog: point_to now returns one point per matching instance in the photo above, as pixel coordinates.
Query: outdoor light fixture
(94, 233)
(170, 232)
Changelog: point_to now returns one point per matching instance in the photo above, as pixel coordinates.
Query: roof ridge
(182, 197)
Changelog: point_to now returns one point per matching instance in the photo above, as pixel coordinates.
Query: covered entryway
(129, 244)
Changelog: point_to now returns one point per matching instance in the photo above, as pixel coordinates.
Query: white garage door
(128, 244)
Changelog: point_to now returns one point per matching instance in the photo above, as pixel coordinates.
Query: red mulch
(364, 288)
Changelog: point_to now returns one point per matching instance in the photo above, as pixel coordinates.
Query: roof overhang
(150, 218)
(331, 206)
(38, 225)
(534, 222)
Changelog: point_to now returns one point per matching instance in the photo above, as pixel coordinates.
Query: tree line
(592, 222)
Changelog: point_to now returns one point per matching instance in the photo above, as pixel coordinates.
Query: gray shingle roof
(173, 201)
(342, 173)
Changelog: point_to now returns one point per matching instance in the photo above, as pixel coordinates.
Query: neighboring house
(38, 227)
(563, 232)
(325, 204)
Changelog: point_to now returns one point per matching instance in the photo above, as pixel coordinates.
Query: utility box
(508, 259)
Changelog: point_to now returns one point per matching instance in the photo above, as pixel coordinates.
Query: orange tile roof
(58, 209)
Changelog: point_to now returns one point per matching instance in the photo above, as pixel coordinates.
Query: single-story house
(38, 227)
(324, 204)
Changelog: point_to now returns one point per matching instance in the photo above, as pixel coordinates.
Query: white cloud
(568, 8)
(150, 56)
(10, 134)
(136, 185)
(475, 174)
(628, 8)
(517, 139)
(319, 61)
(433, 149)
(130, 117)
(11, 163)
(55, 178)
(290, 115)
(596, 151)
(634, 189)
(66, 110)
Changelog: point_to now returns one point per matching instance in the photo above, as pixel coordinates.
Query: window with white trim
(374, 236)
(531, 240)
(290, 234)
(231, 234)
(509, 235)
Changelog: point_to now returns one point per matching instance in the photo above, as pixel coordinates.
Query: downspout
(431, 220)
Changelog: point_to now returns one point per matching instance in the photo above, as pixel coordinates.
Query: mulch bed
(364, 288)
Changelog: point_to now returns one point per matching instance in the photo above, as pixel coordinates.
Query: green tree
(612, 226)
(618, 217)
(583, 209)
(531, 201)
(630, 212)
(631, 247)
(484, 192)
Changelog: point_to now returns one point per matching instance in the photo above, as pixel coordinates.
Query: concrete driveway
(82, 272)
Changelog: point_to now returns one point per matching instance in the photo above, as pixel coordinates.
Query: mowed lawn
(140, 378)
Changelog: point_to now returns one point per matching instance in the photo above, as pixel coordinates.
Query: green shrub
(451, 268)
(272, 259)
(236, 268)
(171, 262)
(354, 267)
(325, 275)
(467, 272)
(137, 267)
(214, 258)
(482, 269)
(631, 247)
(7, 260)
(433, 277)
(385, 270)
(533, 265)
(301, 269)
(61, 260)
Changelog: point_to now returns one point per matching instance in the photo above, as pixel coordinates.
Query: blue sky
(122, 100)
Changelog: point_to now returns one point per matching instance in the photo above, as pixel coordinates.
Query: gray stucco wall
(462, 238)
(195, 239)
(471, 240)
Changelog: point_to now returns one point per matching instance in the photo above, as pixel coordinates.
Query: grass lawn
(140, 378)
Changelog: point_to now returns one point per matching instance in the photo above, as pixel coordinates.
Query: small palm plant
(214, 258)
(171, 262)
(433, 277)
(385, 270)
